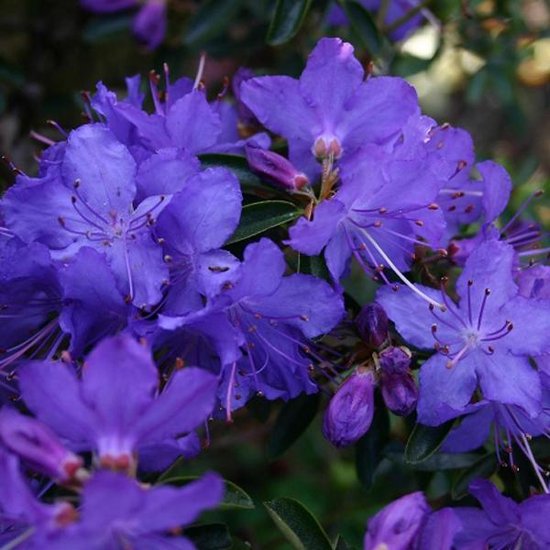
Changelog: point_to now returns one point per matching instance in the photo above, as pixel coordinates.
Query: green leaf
(368, 450)
(234, 497)
(425, 441)
(485, 467)
(363, 27)
(211, 19)
(294, 418)
(212, 536)
(342, 544)
(250, 182)
(259, 217)
(287, 20)
(439, 461)
(297, 524)
(314, 265)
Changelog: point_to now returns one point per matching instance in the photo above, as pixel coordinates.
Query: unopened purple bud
(394, 361)
(37, 445)
(349, 413)
(276, 168)
(397, 525)
(150, 23)
(372, 325)
(400, 393)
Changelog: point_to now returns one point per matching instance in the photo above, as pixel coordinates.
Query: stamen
(522, 207)
(486, 294)
(200, 71)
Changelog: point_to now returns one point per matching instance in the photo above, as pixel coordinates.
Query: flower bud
(276, 168)
(372, 325)
(37, 445)
(396, 526)
(397, 385)
(400, 393)
(150, 23)
(349, 413)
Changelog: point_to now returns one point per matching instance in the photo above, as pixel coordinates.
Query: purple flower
(91, 205)
(37, 445)
(502, 523)
(115, 408)
(322, 121)
(257, 331)
(382, 210)
(349, 413)
(491, 331)
(397, 525)
(117, 512)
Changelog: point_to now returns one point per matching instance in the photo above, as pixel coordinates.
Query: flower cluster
(126, 280)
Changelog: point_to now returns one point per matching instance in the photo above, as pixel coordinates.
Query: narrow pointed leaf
(259, 217)
(297, 524)
(485, 467)
(363, 27)
(287, 20)
(424, 441)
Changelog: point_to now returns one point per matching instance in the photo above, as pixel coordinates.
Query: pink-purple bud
(397, 384)
(396, 526)
(37, 445)
(349, 413)
(276, 168)
(372, 325)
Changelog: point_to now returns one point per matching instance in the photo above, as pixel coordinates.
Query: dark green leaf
(342, 544)
(363, 27)
(368, 450)
(212, 536)
(287, 20)
(211, 19)
(297, 524)
(295, 416)
(438, 461)
(250, 182)
(234, 496)
(259, 217)
(425, 441)
(485, 467)
(105, 28)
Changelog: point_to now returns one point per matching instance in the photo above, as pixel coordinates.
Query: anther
(433, 206)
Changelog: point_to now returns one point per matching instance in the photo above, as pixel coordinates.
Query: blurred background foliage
(480, 64)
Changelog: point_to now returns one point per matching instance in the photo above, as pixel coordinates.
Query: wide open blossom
(484, 340)
(115, 408)
(257, 331)
(91, 204)
(333, 119)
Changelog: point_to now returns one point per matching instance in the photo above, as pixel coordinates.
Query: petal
(214, 270)
(444, 392)
(413, 317)
(472, 432)
(535, 512)
(497, 186)
(165, 173)
(488, 266)
(104, 167)
(205, 213)
(119, 380)
(531, 322)
(157, 457)
(278, 104)
(64, 411)
(192, 123)
(337, 254)
(150, 23)
(379, 109)
(94, 307)
(183, 405)
(500, 509)
(439, 530)
(305, 302)
(310, 237)
(330, 61)
(506, 378)
(168, 507)
(261, 271)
